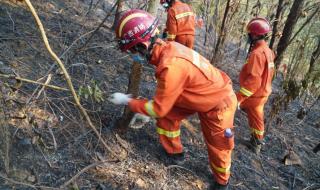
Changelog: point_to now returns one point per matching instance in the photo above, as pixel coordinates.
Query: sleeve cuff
(137, 105)
(240, 97)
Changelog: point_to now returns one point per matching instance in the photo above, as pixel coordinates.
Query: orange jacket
(180, 20)
(185, 80)
(256, 75)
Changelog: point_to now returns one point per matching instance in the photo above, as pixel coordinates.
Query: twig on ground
(44, 156)
(26, 184)
(33, 82)
(13, 24)
(308, 187)
(83, 171)
(53, 138)
(43, 87)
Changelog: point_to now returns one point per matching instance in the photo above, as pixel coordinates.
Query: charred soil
(49, 140)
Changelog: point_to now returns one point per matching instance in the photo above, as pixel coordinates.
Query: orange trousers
(213, 124)
(254, 109)
(185, 39)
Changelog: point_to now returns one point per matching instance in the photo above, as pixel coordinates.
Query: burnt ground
(36, 159)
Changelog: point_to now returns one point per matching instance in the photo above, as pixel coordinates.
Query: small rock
(31, 179)
(292, 159)
(140, 183)
(132, 170)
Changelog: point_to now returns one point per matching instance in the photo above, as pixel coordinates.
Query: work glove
(139, 120)
(120, 98)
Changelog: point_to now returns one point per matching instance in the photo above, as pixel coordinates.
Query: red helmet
(258, 26)
(135, 26)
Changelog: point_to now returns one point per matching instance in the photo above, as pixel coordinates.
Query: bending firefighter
(187, 84)
(180, 26)
(255, 80)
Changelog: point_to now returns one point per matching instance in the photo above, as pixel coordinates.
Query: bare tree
(292, 19)
(221, 32)
(153, 7)
(314, 57)
(133, 88)
(4, 128)
(275, 23)
(120, 4)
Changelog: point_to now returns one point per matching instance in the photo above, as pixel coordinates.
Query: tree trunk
(206, 16)
(247, 6)
(314, 57)
(153, 7)
(133, 88)
(288, 29)
(4, 131)
(120, 4)
(214, 22)
(221, 32)
(275, 23)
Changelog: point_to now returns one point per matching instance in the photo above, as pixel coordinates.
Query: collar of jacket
(176, 3)
(259, 44)
(156, 52)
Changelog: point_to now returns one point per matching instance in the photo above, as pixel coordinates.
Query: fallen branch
(26, 184)
(33, 82)
(81, 172)
(46, 83)
(67, 77)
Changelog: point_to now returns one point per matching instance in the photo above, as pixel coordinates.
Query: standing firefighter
(255, 80)
(180, 26)
(187, 84)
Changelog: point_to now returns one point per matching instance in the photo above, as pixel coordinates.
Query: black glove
(164, 35)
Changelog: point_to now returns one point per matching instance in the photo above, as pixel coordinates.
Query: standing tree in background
(120, 4)
(292, 19)
(153, 7)
(5, 135)
(217, 48)
(275, 23)
(312, 64)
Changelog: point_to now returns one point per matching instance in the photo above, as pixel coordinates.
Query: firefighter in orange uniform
(180, 26)
(187, 84)
(255, 80)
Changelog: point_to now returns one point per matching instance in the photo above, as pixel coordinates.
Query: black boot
(217, 186)
(255, 145)
(175, 159)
